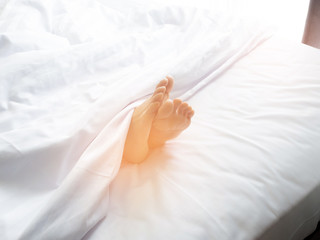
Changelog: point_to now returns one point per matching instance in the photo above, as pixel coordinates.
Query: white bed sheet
(248, 166)
(69, 71)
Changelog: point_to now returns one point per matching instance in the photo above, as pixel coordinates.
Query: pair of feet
(156, 121)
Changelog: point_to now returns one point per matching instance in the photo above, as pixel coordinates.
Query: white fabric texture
(247, 167)
(69, 71)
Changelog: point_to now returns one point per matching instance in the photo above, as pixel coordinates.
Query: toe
(185, 111)
(163, 82)
(161, 89)
(165, 110)
(182, 107)
(157, 98)
(170, 84)
(190, 114)
(176, 104)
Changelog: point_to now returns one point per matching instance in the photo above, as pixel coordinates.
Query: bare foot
(171, 120)
(136, 146)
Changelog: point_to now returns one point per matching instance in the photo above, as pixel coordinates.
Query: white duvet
(71, 73)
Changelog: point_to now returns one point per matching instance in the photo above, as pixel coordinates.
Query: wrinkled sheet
(246, 168)
(71, 73)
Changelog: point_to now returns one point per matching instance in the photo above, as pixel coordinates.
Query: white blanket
(71, 73)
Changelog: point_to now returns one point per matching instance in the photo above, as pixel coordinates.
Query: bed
(71, 75)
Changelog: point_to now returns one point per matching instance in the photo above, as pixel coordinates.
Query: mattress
(71, 74)
(247, 167)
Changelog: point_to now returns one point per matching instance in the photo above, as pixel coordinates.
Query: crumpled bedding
(246, 168)
(71, 74)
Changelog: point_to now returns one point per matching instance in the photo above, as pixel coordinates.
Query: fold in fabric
(68, 71)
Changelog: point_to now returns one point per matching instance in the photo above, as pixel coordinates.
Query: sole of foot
(173, 117)
(136, 146)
